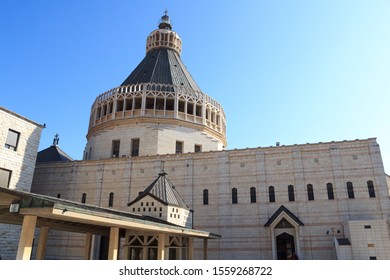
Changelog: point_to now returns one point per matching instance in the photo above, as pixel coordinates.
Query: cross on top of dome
(165, 22)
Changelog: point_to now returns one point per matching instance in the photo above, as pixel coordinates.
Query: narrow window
(149, 102)
(111, 199)
(205, 197)
(5, 177)
(179, 147)
(197, 148)
(115, 148)
(234, 196)
(329, 189)
(58, 195)
(371, 190)
(310, 192)
(351, 194)
(119, 105)
(83, 198)
(291, 195)
(134, 147)
(271, 193)
(253, 194)
(137, 102)
(12, 140)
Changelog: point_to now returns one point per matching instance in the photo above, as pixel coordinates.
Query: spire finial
(165, 22)
(56, 139)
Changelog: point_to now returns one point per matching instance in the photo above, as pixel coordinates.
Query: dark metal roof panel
(162, 190)
(53, 153)
(162, 66)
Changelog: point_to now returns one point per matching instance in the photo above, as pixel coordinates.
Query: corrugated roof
(162, 66)
(163, 190)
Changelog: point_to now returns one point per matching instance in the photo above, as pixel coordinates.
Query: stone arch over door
(284, 230)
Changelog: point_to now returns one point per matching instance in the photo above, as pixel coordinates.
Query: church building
(157, 148)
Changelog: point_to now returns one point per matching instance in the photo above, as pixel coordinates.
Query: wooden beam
(205, 248)
(113, 244)
(41, 250)
(88, 246)
(26, 238)
(161, 246)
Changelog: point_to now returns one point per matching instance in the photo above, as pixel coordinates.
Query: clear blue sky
(292, 72)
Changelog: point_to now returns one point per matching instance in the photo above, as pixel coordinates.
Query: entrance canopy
(34, 210)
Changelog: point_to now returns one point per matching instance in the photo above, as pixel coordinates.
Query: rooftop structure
(158, 109)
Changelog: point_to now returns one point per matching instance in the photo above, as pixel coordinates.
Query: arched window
(329, 189)
(271, 193)
(83, 198)
(291, 196)
(234, 196)
(58, 195)
(310, 192)
(371, 190)
(205, 197)
(253, 194)
(351, 194)
(111, 199)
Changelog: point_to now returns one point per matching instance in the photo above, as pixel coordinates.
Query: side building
(312, 201)
(19, 141)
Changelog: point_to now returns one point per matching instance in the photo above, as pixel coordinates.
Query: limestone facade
(325, 189)
(19, 141)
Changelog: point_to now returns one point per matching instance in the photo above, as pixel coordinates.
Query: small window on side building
(12, 140)
(5, 177)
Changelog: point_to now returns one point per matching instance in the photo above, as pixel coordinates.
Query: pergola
(33, 211)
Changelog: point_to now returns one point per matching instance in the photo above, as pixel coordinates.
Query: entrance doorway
(285, 247)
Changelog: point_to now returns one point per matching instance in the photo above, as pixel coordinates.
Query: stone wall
(241, 225)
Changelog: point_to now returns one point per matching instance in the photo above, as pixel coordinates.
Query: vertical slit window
(134, 147)
(253, 194)
(111, 199)
(310, 192)
(350, 191)
(234, 196)
(371, 190)
(115, 148)
(271, 193)
(329, 189)
(83, 198)
(205, 197)
(291, 195)
(179, 147)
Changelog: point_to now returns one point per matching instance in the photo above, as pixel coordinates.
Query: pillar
(113, 243)
(161, 246)
(41, 250)
(205, 248)
(190, 248)
(88, 246)
(26, 237)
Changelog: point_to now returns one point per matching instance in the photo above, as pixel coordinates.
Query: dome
(158, 109)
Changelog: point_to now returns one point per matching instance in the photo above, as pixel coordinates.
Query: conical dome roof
(162, 66)
(162, 63)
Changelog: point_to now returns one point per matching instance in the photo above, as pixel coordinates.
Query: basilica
(157, 163)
